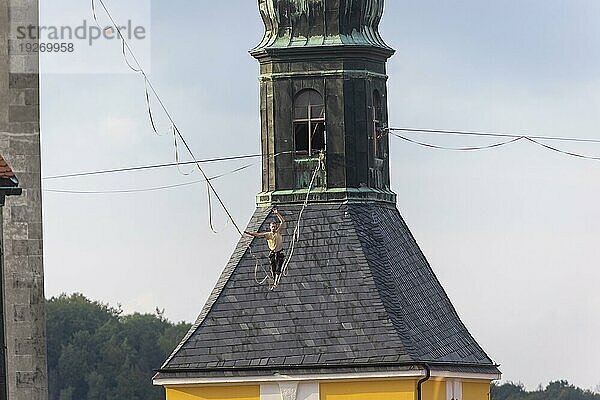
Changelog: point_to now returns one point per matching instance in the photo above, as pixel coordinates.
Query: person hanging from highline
(275, 242)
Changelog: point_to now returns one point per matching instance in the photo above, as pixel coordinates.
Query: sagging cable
(149, 108)
(471, 148)
(564, 152)
(210, 189)
(150, 189)
(177, 156)
(125, 49)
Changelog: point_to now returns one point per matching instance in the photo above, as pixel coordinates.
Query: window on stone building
(378, 126)
(309, 123)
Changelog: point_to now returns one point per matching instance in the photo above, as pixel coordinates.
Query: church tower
(323, 89)
(360, 314)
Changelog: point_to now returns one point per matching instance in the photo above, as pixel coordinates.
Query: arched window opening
(378, 126)
(309, 123)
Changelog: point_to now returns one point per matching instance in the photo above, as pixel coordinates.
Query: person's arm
(256, 234)
(281, 221)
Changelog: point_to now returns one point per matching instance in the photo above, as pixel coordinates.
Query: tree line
(559, 390)
(97, 353)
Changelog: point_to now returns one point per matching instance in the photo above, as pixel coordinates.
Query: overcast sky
(512, 233)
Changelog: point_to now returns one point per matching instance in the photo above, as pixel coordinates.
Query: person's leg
(280, 260)
(273, 260)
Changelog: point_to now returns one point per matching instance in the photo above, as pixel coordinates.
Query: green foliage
(559, 390)
(96, 353)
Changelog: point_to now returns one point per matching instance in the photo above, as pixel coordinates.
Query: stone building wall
(23, 266)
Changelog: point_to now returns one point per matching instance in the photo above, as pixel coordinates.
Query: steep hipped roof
(359, 294)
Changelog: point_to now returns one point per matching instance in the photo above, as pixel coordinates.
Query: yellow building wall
(214, 393)
(476, 390)
(361, 390)
(372, 390)
(434, 390)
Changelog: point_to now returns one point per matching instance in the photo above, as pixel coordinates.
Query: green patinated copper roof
(312, 23)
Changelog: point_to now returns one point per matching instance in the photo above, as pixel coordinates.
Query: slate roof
(359, 295)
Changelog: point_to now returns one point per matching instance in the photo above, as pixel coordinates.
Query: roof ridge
(464, 332)
(367, 267)
(395, 318)
(453, 309)
(404, 331)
